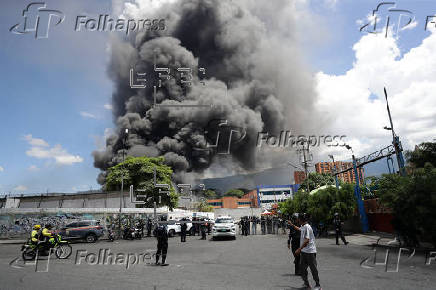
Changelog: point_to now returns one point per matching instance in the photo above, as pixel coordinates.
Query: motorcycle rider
(161, 233)
(47, 236)
(34, 235)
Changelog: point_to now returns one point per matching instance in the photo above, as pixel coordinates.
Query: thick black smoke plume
(250, 81)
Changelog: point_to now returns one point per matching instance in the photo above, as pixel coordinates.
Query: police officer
(263, 225)
(34, 235)
(161, 233)
(149, 226)
(203, 230)
(338, 228)
(294, 243)
(183, 229)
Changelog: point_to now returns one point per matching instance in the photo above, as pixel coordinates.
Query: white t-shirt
(307, 233)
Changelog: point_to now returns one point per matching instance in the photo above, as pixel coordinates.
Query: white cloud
(20, 188)
(410, 83)
(35, 141)
(61, 156)
(108, 107)
(88, 115)
(33, 168)
(2, 169)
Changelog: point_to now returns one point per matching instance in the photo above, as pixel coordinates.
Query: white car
(176, 228)
(224, 227)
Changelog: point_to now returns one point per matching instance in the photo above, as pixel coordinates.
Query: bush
(413, 202)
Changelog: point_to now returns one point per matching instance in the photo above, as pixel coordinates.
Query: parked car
(224, 227)
(176, 228)
(88, 230)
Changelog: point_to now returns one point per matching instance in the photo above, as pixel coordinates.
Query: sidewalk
(11, 241)
(371, 238)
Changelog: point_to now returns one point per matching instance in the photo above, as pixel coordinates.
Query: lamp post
(122, 182)
(336, 170)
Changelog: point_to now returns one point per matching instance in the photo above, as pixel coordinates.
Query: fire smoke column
(240, 85)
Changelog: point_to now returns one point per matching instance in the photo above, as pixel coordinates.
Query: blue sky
(55, 91)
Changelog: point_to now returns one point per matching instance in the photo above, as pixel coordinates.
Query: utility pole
(305, 162)
(396, 140)
(122, 182)
(335, 171)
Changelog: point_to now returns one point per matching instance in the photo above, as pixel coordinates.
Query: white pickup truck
(176, 228)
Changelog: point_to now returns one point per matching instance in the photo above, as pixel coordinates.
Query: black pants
(183, 236)
(162, 248)
(296, 259)
(308, 260)
(340, 234)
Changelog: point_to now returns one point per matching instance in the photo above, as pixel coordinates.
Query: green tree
(425, 152)
(210, 194)
(203, 206)
(234, 192)
(412, 199)
(138, 171)
(316, 180)
(322, 204)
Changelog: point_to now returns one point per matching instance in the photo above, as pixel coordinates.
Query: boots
(164, 257)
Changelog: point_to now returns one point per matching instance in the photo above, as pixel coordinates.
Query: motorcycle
(62, 249)
(111, 235)
(132, 233)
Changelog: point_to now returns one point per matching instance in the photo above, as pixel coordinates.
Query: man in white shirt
(307, 250)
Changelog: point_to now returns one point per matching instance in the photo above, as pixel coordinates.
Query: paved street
(253, 262)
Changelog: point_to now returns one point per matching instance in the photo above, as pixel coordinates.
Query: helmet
(37, 227)
(295, 215)
(163, 218)
(48, 226)
(336, 214)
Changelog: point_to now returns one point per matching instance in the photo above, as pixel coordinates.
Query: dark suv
(88, 230)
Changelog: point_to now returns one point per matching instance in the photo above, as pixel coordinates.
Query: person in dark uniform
(161, 233)
(149, 226)
(183, 229)
(338, 228)
(263, 225)
(247, 226)
(141, 227)
(203, 229)
(294, 243)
